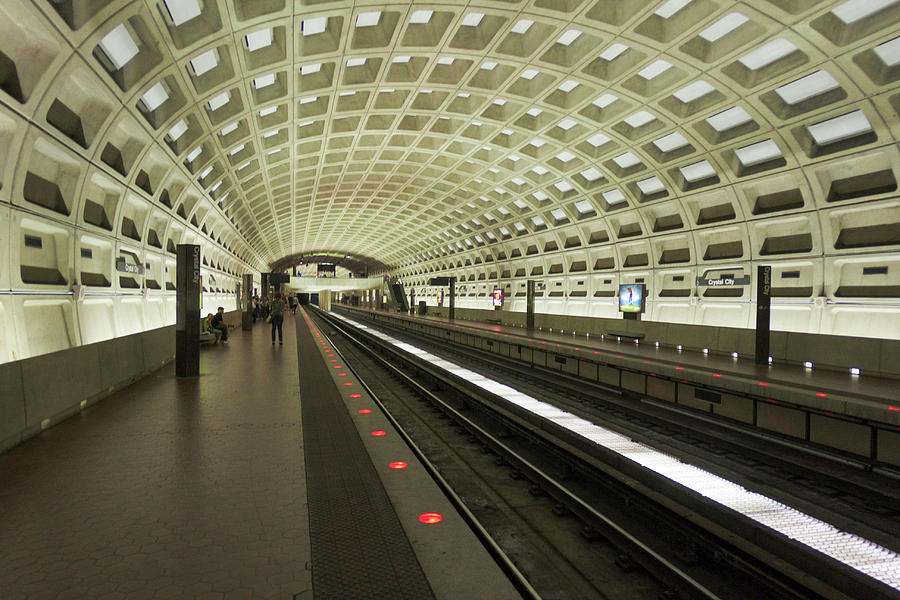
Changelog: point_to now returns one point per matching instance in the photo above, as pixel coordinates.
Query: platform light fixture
(808, 365)
(706, 351)
(679, 347)
(734, 355)
(770, 360)
(854, 370)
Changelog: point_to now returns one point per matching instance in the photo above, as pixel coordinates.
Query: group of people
(272, 310)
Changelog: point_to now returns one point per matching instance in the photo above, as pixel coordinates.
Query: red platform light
(398, 464)
(430, 518)
(821, 394)
(334, 360)
(365, 411)
(763, 383)
(717, 374)
(355, 395)
(338, 367)
(679, 368)
(347, 383)
(893, 407)
(379, 433)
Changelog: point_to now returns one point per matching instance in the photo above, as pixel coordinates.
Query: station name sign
(124, 266)
(723, 281)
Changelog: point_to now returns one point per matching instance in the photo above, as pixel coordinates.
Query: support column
(529, 304)
(452, 298)
(265, 285)
(247, 304)
(763, 313)
(412, 301)
(187, 310)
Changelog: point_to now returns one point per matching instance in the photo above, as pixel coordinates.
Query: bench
(632, 335)
(494, 321)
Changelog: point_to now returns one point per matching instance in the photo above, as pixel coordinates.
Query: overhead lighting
(193, 154)
(472, 19)
(259, 39)
(368, 19)
(310, 69)
(723, 27)
(119, 47)
(420, 17)
(729, 119)
(613, 52)
(522, 26)
(220, 100)
(182, 11)
(568, 37)
(767, 54)
(177, 130)
(264, 81)
(313, 26)
(207, 61)
(154, 97)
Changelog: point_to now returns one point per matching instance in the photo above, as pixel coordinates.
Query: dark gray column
(452, 298)
(763, 313)
(187, 311)
(265, 285)
(529, 304)
(247, 304)
(412, 301)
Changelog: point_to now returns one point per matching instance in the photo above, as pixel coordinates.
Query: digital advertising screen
(497, 297)
(632, 297)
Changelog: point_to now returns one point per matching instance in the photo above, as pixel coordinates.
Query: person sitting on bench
(207, 333)
(218, 323)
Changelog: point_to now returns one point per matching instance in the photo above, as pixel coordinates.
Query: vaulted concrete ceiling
(405, 130)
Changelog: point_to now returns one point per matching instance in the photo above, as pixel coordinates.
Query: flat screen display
(497, 297)
(325, 270)
(632, 297)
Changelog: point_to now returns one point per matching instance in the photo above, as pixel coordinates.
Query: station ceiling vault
(406, 131)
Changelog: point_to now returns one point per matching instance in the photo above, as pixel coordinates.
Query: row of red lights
(429, 518)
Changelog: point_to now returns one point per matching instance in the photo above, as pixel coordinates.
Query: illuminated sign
(497, 297)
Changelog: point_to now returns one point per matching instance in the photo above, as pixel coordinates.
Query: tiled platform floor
(168, 489)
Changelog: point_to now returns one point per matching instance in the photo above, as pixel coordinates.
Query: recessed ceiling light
(154, 97)
(613, 52)
(310, 69)
(219, 100)
(670, 8)
(178, 130)
(522, 25)
(119, 46)
(264, 81)
(182, 11)
(368, 19)
(723, 27)
(205, 62)
(568, 37)
(259, 39)
(767, 54)
(421, 17)
(472, 19)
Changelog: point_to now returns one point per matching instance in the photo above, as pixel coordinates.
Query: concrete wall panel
(783, 420)
(850, 437)
(12, 405)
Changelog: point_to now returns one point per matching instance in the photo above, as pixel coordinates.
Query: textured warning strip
(359, 548)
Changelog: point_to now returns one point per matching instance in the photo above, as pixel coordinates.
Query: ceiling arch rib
(402, 129)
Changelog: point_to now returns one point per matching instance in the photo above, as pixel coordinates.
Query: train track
(649, 548)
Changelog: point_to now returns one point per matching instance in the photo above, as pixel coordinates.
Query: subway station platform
(250, 481)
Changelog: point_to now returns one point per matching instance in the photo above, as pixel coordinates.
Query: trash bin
(423, 308)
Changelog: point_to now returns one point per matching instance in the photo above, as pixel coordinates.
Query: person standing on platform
(276, 314)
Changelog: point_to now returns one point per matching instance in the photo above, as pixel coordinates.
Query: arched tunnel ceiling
(394, 130)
